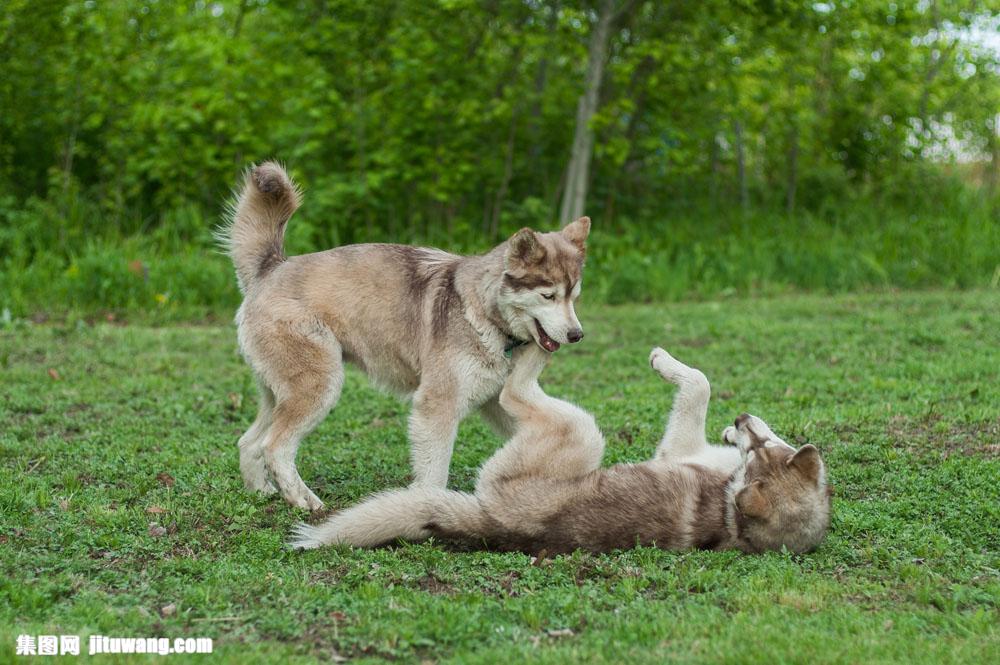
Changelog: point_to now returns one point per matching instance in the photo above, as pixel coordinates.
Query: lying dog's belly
(723, 459)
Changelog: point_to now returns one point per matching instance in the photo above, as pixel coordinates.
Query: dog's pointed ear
(577, 232)
(807, 462)
(524, 248)
(751, 501)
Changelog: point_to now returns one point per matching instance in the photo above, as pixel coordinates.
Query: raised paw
(665, 364)
(658, 356)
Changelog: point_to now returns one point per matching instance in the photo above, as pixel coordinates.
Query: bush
(175, 271)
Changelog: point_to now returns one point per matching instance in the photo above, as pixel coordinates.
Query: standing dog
(429, 325)
(545, 490)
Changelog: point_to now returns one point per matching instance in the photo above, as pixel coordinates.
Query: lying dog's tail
(254, 231)
(416, 513)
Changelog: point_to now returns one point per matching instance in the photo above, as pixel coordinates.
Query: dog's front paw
(256, 480)
(313, 503)
(305, 499)
(729, 435)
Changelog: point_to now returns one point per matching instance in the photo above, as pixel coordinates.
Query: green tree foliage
(453, 121)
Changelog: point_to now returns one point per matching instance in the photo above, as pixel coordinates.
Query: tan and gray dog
(428, 325)
(545, 490)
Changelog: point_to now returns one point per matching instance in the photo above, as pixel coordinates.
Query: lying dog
(545, 490)
(429, 325)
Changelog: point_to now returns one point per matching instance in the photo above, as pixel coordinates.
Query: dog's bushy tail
(411, 514)
(254, 231)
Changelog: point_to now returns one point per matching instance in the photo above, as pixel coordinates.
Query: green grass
(899, 392)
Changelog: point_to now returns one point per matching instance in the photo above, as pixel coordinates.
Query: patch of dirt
(695, 342)
(319, 516)
(627, 434)
(27, 410)
(597, 571)
(85, 479)
(431, 583)
(845, 430)
(927, 436)
(68, 432)
(506, 584)
(331, 577)
(76, 408)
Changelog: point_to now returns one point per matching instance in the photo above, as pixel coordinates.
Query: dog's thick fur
(544, 490)
(423, 323)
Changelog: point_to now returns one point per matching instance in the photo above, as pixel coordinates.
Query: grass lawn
(107, 429)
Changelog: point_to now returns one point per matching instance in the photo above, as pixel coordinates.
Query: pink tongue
(548, 343)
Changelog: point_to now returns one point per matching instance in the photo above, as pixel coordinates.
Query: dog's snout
(574, 335)
(741, 420)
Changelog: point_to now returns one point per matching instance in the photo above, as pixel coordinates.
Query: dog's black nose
(741, 419)
(574, 336)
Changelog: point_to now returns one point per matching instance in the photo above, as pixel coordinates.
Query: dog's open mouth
(544, 340)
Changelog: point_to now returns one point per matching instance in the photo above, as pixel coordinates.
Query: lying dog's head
(780, 495)
(541, 282)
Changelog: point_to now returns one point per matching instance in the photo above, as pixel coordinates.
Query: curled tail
(254, 232)
(412, 514)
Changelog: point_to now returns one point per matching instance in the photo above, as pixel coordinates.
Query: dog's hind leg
(251, 445)
(553, 439)
(303, 366)
(685, 433)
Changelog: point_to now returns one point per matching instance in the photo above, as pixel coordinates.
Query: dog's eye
(549, 296)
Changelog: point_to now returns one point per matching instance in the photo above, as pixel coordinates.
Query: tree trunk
(714, 165)
(793, 168)
(994, 172)
(741, 167)
(637, 92)
(361, 171)
(578, 172)
(508, 172)
(240, 13)
(537, 150)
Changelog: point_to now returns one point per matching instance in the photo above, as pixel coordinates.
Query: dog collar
(508, 351)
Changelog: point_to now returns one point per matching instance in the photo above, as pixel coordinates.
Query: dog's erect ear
(577, 232)
(524, 248)
(751, 501)
(807, 462)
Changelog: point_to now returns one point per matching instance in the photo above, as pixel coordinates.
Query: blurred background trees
(457, 121)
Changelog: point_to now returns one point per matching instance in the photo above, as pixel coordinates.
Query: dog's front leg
(437, 411)
(553, 439)
(502, 423)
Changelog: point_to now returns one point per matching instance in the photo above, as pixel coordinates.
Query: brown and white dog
(545, 490)
(428, 325)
